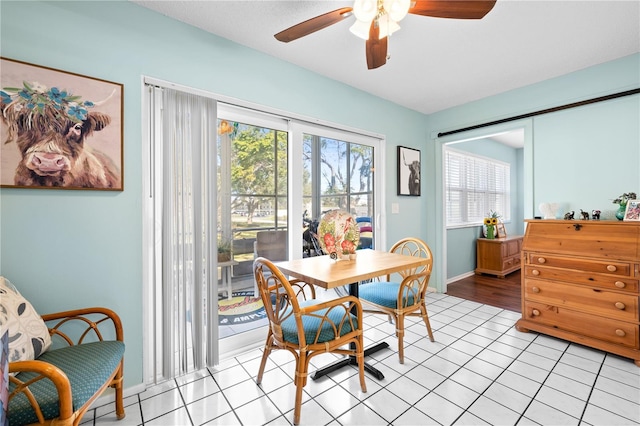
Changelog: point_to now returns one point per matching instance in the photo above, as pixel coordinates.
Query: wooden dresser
(499, 256)
(580, 283)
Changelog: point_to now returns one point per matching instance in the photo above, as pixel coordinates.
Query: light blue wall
(583, 156)
(461, 242)
(67, 249)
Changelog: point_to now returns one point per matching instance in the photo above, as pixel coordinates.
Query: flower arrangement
(338, 234)
(490, 222)
(40, 100)
(622, 199)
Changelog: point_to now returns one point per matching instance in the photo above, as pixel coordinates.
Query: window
(474, 185)
(337, 175)
(252, 180)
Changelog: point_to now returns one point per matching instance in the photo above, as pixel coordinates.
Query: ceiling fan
(378, 19)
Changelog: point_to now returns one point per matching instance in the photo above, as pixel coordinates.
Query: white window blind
(474, 185)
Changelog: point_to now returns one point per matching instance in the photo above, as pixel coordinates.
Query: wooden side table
(499, 256)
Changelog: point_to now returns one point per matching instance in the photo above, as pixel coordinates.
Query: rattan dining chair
(306, 327)
(399, 299)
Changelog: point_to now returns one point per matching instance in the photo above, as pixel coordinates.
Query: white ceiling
(434, 63)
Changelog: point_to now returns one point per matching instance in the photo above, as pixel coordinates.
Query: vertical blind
(475, 185)
(183, 161)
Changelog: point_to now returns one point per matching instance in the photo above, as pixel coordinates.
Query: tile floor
(479, 371)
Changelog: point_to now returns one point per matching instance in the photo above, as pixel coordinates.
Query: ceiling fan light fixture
(361, 29)
(387, 26)
(397, 9)
(365, 10)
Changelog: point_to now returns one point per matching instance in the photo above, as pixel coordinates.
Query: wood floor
(501, 292)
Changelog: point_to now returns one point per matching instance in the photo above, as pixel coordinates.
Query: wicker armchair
(59, 386)
(405, 298)
(306, 327)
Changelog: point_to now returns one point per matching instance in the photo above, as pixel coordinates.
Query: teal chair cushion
(87, 366)
(383, 294)
(311, 324)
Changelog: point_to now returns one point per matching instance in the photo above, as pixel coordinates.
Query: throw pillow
(28, 334)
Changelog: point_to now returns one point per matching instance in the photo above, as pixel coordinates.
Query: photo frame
(409, 171)
(501, 231)
(632, 211)
(59, 130)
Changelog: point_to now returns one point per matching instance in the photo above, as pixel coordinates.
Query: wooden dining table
(328, 273)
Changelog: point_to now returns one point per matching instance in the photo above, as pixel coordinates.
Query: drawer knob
(611, 268)
(620, 333)
(535, 312)
(541, 260)
(535, 289)
(535, 272)
(620, 284)
(620, 305)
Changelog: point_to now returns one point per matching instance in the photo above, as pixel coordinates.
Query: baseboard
(459, 277)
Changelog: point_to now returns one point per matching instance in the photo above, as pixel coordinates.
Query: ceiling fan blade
(314, 24)
(456, 9)
(376, 49)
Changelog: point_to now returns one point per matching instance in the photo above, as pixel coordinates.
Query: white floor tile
(208, 408)
(493, 413)
(480, 370)
(258, 412)
(387, 405)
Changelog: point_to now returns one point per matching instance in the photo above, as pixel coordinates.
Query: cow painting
(413, 179)
(51, 127)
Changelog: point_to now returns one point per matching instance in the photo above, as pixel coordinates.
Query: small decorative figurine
(569, 216)
(585, 215)
(595, 214)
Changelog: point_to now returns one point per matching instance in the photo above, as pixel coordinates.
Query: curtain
(183, 139)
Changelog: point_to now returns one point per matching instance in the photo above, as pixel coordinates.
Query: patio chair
(306, 327)
(399, 299)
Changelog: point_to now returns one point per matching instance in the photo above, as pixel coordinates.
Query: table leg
(226, 279)
(351, 360)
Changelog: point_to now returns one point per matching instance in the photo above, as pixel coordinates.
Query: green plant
(622, 199)
(224, 247)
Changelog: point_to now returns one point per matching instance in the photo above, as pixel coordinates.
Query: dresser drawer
(613, 267)
(608, 330)
(589, 238)
(625, 284)
(604, 303)
(510, 262)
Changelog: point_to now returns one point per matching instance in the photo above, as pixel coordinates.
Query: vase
(491, 232)
(620, 211)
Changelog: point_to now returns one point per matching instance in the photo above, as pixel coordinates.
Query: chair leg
(120, 413)
(400, 334)
(300, 381)
(265, 356)
(425, 318)
(360, 359)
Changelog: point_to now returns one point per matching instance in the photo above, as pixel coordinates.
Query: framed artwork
(501, 232)
(632, 211)
(408, 171)
(59, 130)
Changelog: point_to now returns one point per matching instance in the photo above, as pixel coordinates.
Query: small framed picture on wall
(408, 171)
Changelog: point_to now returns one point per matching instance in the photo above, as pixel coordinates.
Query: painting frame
(632, 211)
(409, 163)
(501, 231)
(84, 114)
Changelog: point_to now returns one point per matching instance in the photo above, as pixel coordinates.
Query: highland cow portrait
(58, 129)
(408, 171)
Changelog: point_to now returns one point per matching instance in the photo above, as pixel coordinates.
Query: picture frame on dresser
(632, 211)
(501, 231)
